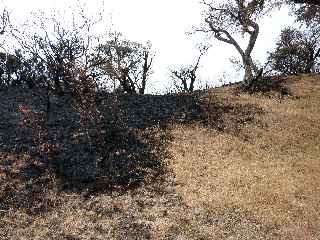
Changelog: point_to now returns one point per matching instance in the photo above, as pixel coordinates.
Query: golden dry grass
(256, 179)
(271, 172)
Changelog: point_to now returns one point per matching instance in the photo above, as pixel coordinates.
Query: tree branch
(229, 39)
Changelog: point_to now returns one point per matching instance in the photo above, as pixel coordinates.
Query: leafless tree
(224, 20)
(59, 46)
(4, 21)
(126, 62)
(187, 75)
(53, 50)
(146, 69)
(4, 25)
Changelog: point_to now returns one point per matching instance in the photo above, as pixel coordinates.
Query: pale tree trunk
(248, 64)
(248, 75)
(250, 71)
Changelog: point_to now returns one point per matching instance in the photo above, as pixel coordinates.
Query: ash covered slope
(212, 165)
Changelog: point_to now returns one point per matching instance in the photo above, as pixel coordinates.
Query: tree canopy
(296, 52)
(224, 20)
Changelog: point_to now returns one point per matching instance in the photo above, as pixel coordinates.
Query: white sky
(164, 23)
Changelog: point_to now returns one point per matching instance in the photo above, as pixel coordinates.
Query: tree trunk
(193, 78)
(250, 71)
(48, 103)
(1, 73)
(145, 69)
(309, 67)
(248, 76)
(311, 60)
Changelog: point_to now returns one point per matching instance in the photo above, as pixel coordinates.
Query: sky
(165, 24)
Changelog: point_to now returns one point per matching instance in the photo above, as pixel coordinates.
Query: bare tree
(187, 75)
(53, 50)
(4, 25)
(146, 69)
(59, 46)
(126, 62)
(224, 20)
(4, 21)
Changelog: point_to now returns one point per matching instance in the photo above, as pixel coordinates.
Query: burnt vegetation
(76, 117)
(86, 115)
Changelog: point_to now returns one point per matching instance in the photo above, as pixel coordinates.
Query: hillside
(211, 165)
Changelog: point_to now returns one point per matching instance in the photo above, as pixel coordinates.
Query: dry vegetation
(227, 166)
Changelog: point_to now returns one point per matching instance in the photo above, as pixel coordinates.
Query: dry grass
(271, 170)
(256, 177)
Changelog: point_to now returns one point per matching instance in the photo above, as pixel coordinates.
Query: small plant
(34, 123)
(84, 94)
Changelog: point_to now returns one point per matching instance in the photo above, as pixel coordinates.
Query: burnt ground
(129, 192)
